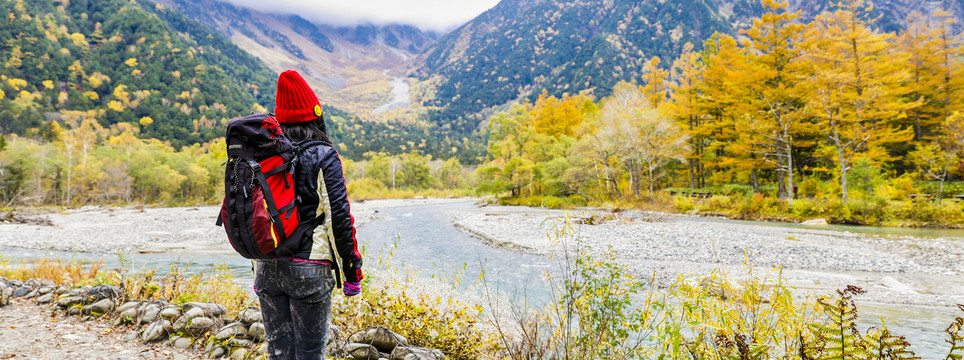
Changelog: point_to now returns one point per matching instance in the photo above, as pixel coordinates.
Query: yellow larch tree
(686, 77)
(856, 94)
(776, 65)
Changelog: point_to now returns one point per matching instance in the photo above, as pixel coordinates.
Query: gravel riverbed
(903, 270)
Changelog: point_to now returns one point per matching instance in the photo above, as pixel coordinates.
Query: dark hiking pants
(296, 307)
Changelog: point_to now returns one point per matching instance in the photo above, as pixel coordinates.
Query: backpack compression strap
(272, 208)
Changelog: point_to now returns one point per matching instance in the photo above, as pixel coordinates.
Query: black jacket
(333, 238)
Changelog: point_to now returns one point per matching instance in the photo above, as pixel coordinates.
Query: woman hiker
(295, 293)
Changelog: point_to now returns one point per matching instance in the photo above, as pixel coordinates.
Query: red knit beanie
(295, 101)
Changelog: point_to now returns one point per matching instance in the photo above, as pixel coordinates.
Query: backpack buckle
(254, 165)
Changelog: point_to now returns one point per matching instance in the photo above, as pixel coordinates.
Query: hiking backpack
(259, 212)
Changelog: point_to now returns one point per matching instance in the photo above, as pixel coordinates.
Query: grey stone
(157, 330)
(32, 294)
(382, 338)
(128, 305)
(209, 309)
(363, 352)
(61, 290)
(256, 331)
(416, 353)
(181, 324)
(46, 298)
(148, 312)
(128, 316)
(69, 300)
(21, 292)
(217, 351)
(81, 291)
(201, 324)
(239, 354)
(100, 307)
(73, 310)
(237, 342)
(32, 283)
(181, 342)
(45, 290)
(170, 312)
(263, 348)
(101, 292)
(250, 315)
(48, 283)
(231, 330)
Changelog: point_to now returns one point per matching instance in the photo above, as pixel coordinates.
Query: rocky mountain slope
(352, 66)
(521, 47)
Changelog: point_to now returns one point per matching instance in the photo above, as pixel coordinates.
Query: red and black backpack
(259, 211)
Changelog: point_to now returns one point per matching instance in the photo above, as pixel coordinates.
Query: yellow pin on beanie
(318, 110)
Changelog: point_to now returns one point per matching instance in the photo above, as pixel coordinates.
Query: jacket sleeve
(342, 222)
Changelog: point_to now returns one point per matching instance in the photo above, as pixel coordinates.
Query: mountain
(351, 66)
(521, 47)
(122, 61)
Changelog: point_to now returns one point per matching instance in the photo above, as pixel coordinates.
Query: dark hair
(308, 130)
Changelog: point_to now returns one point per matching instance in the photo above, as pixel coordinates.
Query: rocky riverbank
(111, 328)
(902, 270)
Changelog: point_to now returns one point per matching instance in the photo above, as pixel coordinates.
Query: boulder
(209, 309)
(363, 352)
(148, 312)
(32, 283)
(239, 354)
(33, 293)
(46, 298)
(128, 316)
(250, 315)
(416, 353)
(66, 301)
(157, 330)
(217, 351)
(382, 338)
(100, 307)
(202, 324)
(237, 342)
(256, 331)
(73, 310)
(815, 222)
(45, 290)
(181, 342)
(21, 291)
(128, 305)
(231, 330)
(100, 292)
(5, 296)
(48, 283)
(170, 312)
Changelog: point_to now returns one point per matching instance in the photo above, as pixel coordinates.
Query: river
(423, 240)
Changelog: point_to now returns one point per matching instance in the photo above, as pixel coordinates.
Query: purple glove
(351, 288)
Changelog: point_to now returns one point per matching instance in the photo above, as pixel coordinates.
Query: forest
(849, 120)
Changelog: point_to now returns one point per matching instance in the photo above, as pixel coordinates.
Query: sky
(438, 15)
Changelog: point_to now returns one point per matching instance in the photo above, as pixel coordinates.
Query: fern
(839, 337)
(956, 338)
(882, 344)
